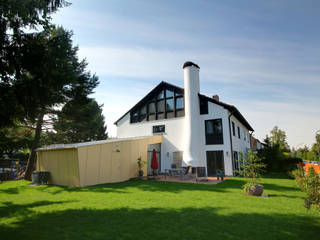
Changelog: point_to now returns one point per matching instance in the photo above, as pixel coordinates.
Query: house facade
(197, 130)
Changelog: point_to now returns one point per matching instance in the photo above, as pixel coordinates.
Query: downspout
(231, 147)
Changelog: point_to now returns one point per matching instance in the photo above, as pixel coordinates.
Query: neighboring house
(197, 130)
(256, 144)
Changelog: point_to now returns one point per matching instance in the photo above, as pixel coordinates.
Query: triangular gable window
(163, 104)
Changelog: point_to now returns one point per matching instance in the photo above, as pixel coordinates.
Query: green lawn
(155, 210)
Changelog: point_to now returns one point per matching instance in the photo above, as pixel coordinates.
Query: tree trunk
(32, 157)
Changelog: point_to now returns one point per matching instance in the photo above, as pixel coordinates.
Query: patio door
(157, 147)
(215, 162)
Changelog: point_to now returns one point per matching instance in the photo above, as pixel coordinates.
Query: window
(160, 95)
(233, 129)
(214, 131)
(143, 113)
(178, 94)
(177, 159)
(152, 107)
(170, 104)
(169, 94)
(135, 117)
(163, 104)
(238, 132)
(245, 135)
(236, 163)
(160, 106)
(158, 129)
(203, 106)
(179, 103)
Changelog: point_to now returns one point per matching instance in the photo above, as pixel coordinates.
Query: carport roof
(77, 145)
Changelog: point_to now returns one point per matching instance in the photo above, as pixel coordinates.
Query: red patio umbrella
(154, 161)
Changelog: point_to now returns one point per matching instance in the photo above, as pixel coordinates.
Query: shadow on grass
(147, 185)
(160, 223)
(13, 190)
(10, 208)
(153, 186)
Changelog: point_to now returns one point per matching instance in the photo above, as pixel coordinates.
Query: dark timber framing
(152, 97)
(179, 92)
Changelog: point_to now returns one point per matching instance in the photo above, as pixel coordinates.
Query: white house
(198, 130)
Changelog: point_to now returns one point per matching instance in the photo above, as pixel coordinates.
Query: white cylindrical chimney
(192, 136)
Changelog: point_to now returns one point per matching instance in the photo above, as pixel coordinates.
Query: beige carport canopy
(92, 163)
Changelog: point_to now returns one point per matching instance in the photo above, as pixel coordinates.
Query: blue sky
(261, 56)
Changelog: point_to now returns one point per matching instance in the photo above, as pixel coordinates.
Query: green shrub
(246, 187)
(312, 189)
(310, 184)
(299, 175)
(251, 166)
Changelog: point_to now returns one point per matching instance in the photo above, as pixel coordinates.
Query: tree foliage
(309, 184)
(80, 121)
(278, 137)
(309, 154)
(276, 153)
(15, 139)
(53, 76)
(16, 17)
(251, 166)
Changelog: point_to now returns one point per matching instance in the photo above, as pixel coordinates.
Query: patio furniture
(174, 171)
(219, 175)
(201, 174)
(185, 175)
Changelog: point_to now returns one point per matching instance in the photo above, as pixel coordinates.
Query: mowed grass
(156, 210)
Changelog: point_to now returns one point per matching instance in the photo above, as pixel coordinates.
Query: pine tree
(80, 120)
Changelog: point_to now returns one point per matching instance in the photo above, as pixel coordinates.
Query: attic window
(170, 104)
(169, 94)
(135, 117)
(179, 103)
(160, 95)
(165, 103)
(203, 106)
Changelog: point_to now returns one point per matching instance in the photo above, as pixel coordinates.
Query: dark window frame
(204, 108)
(159, 129)
(239, 134)
(155, 99)
(233, 129)
(213, 139)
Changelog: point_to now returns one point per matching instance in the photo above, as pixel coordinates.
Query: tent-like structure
(92, 163)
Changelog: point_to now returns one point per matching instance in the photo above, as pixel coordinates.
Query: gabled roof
(235, 112)
(151, 94)
(180, 90)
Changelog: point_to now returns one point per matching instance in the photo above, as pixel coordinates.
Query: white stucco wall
(215, 112)
(172, 138)
(240, 145)
(174, 132)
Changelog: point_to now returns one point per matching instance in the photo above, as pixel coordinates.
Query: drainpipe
(231, 147)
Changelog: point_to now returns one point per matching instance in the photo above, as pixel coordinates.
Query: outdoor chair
(219, 175)
(173, 172)
(185, 175)
(201, 174)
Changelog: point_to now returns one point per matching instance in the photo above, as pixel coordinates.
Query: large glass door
(215, 162)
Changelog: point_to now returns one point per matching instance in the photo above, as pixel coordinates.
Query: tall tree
(278, 137)
(80, 120)
(16, 16)
(15, 139)
(52, 74)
